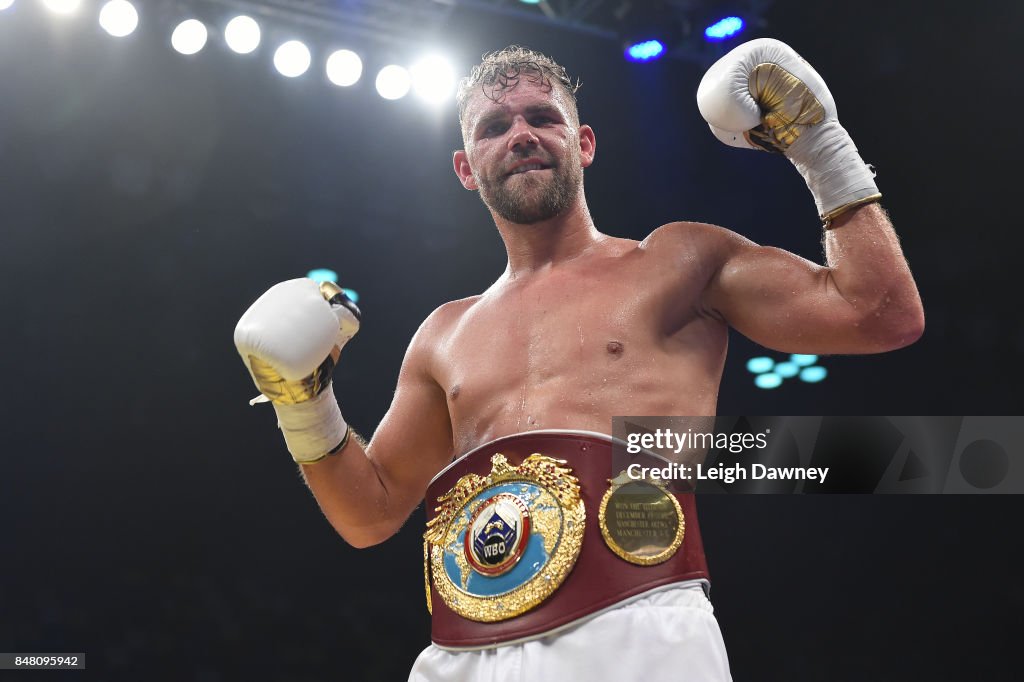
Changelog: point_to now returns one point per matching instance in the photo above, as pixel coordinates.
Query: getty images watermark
(822, 454)
(681, 454)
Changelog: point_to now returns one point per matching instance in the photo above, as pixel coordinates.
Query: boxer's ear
(461, 162)
(588, 145)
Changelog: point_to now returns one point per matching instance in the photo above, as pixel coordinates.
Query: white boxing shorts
(669, 633)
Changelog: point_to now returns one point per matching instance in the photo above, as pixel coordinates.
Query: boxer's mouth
(528, 166)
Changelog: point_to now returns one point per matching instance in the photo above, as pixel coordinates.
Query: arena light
(292, 59)
(433, 78)
(4, 4)
(242, 34)
(723, 29)
(62, 6)
(786, 370)
(344, 68)
(813, 375)
(323, 275)
(328, 275)
(119, 18)
(771, 374)
(189, 36)
(645, 51)
(393, 82)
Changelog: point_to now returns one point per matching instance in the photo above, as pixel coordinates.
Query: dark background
(153, 520)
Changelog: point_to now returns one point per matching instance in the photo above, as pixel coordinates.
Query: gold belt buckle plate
(503, 543)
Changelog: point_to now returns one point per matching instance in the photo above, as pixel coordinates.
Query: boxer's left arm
(763, 95)
(864, 300)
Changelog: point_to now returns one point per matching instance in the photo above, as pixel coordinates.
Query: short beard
(517, 207)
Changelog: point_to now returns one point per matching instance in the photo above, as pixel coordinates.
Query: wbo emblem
(497, 534)
(501, 544)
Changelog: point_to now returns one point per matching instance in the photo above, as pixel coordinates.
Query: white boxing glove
(290, 339)
(763, 95)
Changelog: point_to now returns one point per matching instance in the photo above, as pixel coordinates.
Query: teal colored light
(352, 295)
(813, 375)
(769, 380)
(760, 365)
(803, 360)
(787, 370)
(530, 2)
(322, 275)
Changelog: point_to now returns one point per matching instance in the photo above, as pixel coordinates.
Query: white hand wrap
(312, 428)
(833, 169)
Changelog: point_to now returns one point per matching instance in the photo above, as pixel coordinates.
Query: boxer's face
(524, 152)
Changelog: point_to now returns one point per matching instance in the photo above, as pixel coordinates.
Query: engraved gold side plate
(503, 543)
(641, 521)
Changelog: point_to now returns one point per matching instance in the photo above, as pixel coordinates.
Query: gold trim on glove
(827, 219)
(284, 392)
(787, 105)
(329, 290)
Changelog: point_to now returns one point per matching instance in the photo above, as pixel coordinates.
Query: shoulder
(426, 349)
(445, 318)
(709, 246)
(684, 234)
(440, 326)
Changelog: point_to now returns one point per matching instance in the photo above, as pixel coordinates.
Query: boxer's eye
(493, 129)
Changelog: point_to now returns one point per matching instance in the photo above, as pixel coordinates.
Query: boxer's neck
(550, 242)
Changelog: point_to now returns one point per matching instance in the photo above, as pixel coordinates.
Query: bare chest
(569, 353)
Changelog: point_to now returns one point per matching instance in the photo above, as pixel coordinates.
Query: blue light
(769, 380)
(787, 370)
(322, 275)
(760, 365)
(530, 2)
(803, 360)
(327, 275)
(723, 29)
(645, 51)
(813, 375)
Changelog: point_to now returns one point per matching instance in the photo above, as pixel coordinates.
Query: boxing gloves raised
(290, 340)
(763, 95)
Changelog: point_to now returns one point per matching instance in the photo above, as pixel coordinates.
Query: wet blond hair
(502, 71)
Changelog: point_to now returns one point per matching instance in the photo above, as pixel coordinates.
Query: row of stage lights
(432, 78)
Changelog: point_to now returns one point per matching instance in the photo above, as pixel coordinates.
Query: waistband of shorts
(688, 593)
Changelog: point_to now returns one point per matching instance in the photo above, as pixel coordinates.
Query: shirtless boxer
(582, 326)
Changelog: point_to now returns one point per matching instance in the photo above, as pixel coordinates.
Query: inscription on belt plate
(641, 521)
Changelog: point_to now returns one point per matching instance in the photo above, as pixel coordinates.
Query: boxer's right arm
(290, 339)
(368, 492)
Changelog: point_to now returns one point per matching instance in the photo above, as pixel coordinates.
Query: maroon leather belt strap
(495, 523)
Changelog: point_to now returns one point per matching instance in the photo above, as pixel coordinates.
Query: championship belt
(529, 533)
